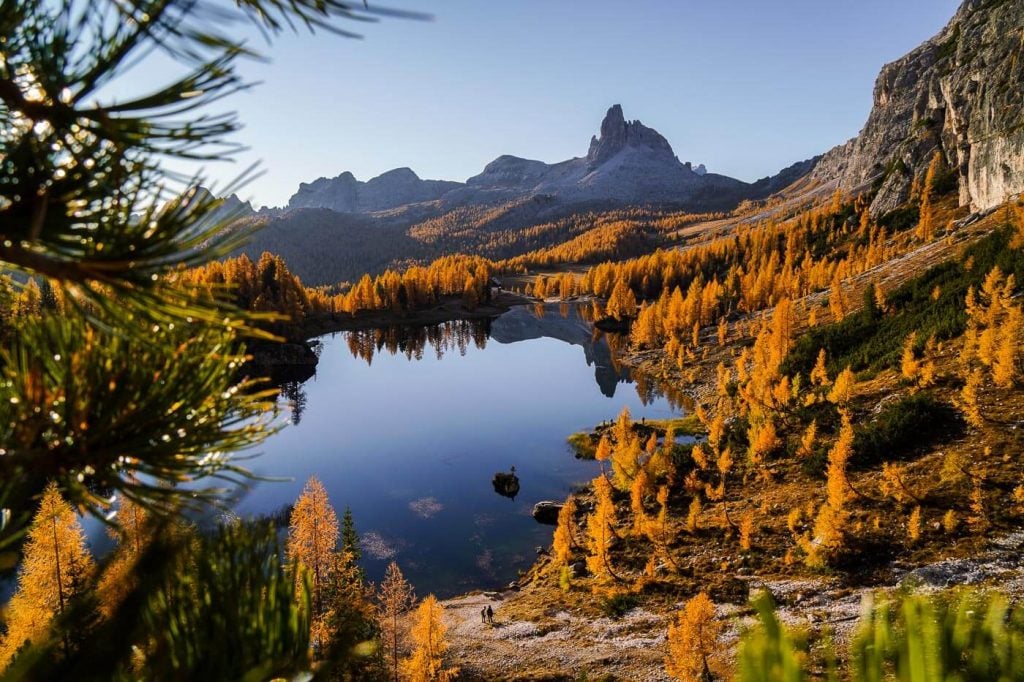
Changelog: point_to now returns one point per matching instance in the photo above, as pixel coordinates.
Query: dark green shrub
(902, 427)
(617, 605)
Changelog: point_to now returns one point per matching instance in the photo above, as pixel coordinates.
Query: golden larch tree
(1004, 364)
(312, 542)
(637, 492)
(969, 399)
(842, 389)
(914, 525)
(807, 440)
(565, 532)
(819, 375)
(394, 599)
(838, 457)
(56, 567)
(926, 221)
(428, 635)
(910, 366)
(601, 530)
(622, 302)
(626, 462)
(692, 639)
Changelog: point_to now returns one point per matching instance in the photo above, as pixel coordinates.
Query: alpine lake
(407, 427)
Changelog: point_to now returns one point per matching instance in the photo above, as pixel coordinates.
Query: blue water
(411, 445)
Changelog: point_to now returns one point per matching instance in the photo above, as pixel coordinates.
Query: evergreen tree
(350, 541)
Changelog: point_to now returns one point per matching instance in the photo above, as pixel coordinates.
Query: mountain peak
(617, 133)
(403, 173)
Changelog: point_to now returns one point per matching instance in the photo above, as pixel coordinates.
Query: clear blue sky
(743, 86)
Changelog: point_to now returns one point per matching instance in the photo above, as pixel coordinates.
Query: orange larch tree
(312, 542)
(428, 634)
(56, 567)
(394, 599)
(692, 639)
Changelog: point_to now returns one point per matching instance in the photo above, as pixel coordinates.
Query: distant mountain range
(628, 164)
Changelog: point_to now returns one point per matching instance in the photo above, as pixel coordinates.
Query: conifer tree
(626, 462)
(132, 534)
(637, 492)
(842, 389)
(693, 515)
(622, 302)
(808, 439)
(565, 532)
(969, 399)
(657, 528)
(914, 526)
(1005, 365)
(429, 639)
(55, 569)
(838, 457)
(819, 375)
(394, 599)
(601, 530)
(910, 367)
(350, 545)
(926, 221)
(312, 542)
(692, 639)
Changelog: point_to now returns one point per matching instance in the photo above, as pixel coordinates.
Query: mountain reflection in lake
(408, 426)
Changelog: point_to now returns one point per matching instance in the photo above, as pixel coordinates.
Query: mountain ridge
(627, 163)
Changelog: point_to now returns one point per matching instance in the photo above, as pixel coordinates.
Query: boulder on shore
(547, 512)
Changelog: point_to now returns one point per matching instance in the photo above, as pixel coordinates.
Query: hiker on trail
(483, 615)
(490, 614)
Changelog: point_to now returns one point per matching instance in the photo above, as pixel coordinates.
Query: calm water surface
(411, 439)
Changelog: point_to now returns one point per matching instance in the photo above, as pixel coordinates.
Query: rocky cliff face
(961, 94)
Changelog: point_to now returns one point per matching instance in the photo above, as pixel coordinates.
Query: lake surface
(408, 427)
